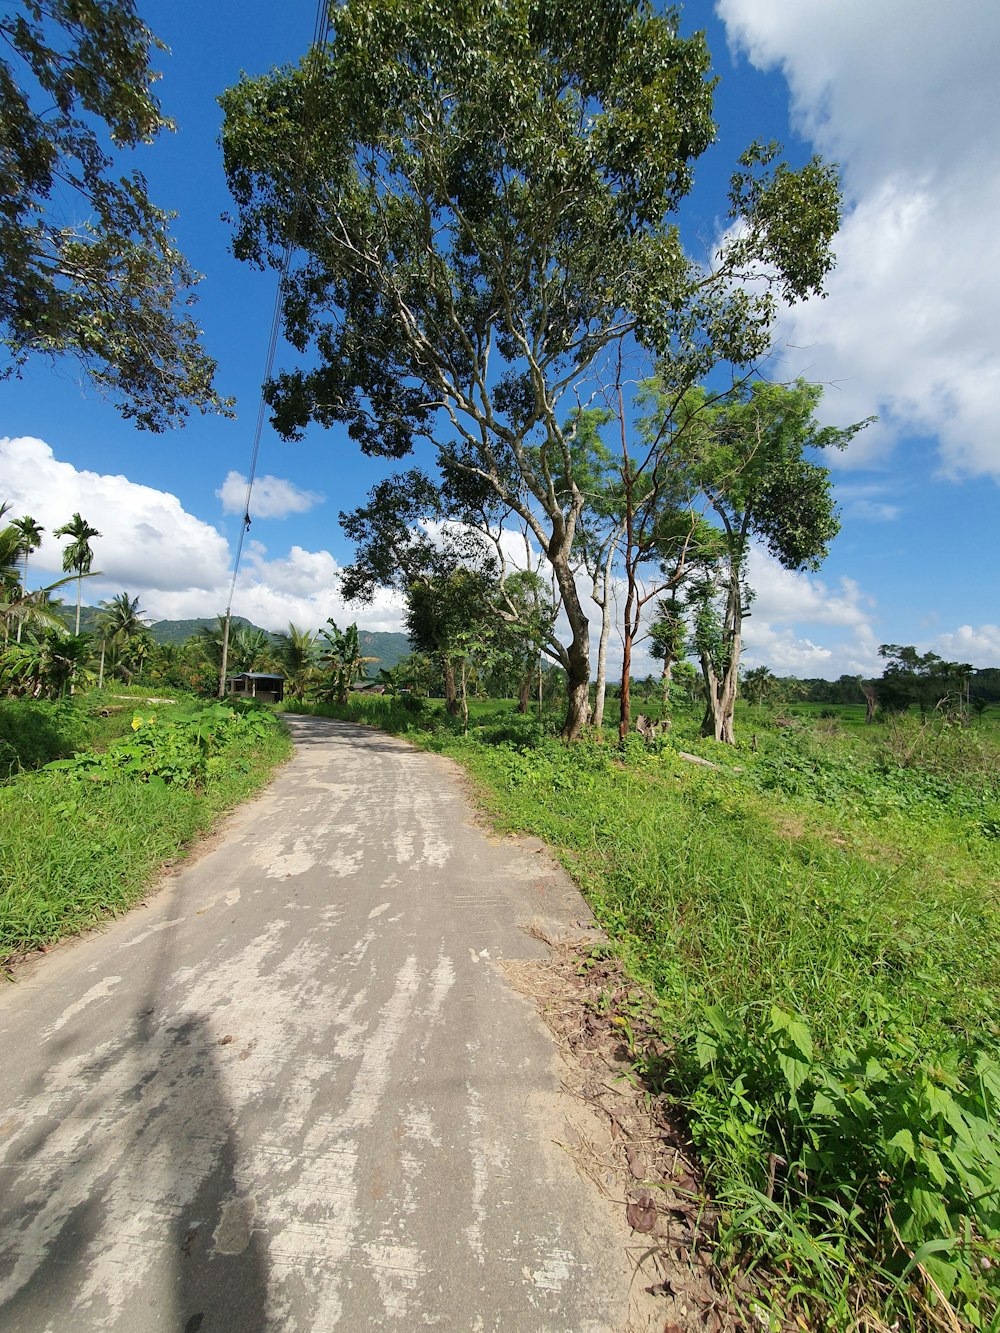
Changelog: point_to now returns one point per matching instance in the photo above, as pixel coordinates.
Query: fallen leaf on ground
(641, 1214)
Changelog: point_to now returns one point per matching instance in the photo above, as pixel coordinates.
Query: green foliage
(894, 1146)
(923, 679)
(183, 750)
(42, 666)
(377, 710)
(75, 93)
(83, 837)
(340, 661)
(32, 733)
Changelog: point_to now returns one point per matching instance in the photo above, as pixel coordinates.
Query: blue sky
(902, 95)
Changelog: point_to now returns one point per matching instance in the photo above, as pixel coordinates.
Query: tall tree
(31, 538)
(295, 653)
(445, 616)
(749, 460)
(87, 264)
(119, 621)
(78, 555)
(484, 199)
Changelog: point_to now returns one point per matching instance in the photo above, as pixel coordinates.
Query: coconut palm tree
(295, 653)
(119, 621)
(10, 583)
(78, 555)
(31, 539)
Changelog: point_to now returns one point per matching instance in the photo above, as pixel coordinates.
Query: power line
(317, 47)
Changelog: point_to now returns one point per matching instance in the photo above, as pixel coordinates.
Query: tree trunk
(625, 710)
(720, 695)
(79, 589)
(668, 672)
(601, 686)
(578, 652)
(524, 690)
(450, 691)
(465, 698)
(601, 689)
(100, 677)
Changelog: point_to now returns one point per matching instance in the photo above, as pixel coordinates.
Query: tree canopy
(87, 263)
(484, 200)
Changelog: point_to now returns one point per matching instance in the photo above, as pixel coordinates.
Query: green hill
(178, 631)
(388, 647)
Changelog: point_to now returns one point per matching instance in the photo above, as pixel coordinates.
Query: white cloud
(147, 538)
(272, 497)
(178, 565)
(785, 597)
(906, 99)
(980, 647)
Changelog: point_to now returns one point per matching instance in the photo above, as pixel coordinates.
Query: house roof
(254, 675)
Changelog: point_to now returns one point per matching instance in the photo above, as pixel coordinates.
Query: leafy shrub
(881, 1139)
(32, 732)
(82, 837)
(182, 750)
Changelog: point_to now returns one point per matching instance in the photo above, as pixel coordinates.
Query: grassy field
(84, 837)
(815, 923)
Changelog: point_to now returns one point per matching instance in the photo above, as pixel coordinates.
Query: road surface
(296, 1092)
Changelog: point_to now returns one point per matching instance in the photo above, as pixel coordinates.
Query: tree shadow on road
(123, 1205)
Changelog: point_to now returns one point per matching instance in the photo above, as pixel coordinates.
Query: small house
(257, 685)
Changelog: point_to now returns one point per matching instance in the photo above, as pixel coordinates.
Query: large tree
(483, 199)
(87, 263)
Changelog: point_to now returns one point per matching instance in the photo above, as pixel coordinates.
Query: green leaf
(903, 1140)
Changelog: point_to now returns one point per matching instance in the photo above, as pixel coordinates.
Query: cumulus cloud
(787, 597)
(147, 538)
(178, 565)
(301, 588)
(980, 646)
(272, 497)
(908, 103)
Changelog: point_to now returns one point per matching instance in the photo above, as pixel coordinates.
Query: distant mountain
(388, 647)
(178, 631)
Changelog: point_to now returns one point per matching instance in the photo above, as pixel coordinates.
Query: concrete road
(295, 1092)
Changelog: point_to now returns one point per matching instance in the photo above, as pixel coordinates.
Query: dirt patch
(632, 1145)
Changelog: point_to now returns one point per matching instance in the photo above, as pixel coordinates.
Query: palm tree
(295, 652)
(31, 539)
(119, 621)
(10, 583)
(78, 556)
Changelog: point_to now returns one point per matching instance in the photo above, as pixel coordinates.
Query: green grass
(84, 841)
(816, 925)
